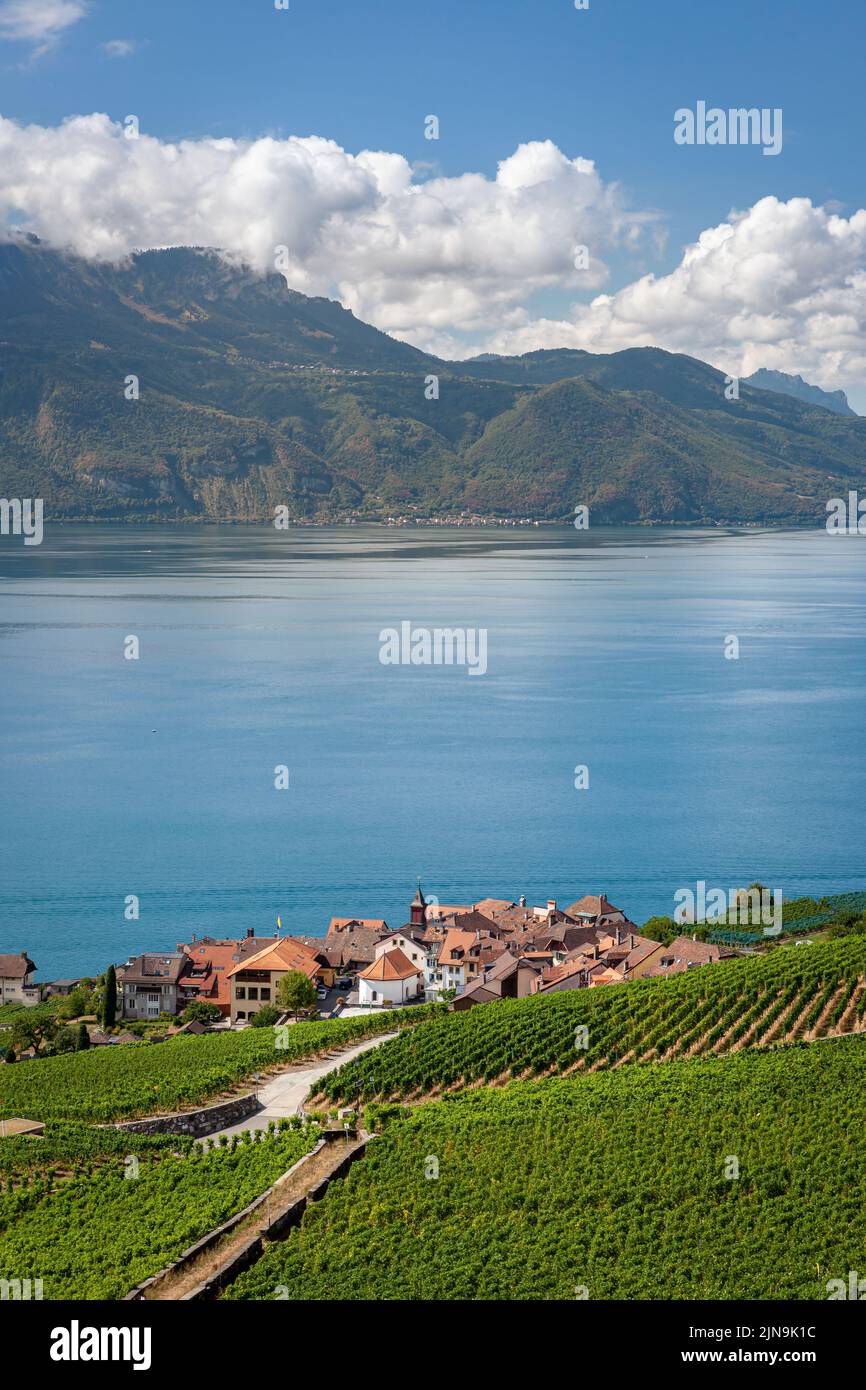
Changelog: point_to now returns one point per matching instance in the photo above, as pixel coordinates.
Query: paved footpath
(284, 1095)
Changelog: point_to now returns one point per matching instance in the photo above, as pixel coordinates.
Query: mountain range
(180, 386)
(790, 385)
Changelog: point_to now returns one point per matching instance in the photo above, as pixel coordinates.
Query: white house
(391, 979)
(459, 961)
(16, 980)
(411, 941)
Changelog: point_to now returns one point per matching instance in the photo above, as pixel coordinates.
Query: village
(463, 955)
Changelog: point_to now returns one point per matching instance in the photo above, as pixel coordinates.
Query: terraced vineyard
(794, 993)
(730, 1177)
(99, 1234)
(142, 1078)
(67, 1149)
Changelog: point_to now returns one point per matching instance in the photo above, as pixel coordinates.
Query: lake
(260, 649)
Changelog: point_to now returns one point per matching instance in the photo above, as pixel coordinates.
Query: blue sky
(602, 84)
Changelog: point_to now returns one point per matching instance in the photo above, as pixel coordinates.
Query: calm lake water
(155, 777)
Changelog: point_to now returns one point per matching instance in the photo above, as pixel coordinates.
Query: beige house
(253, 982)
(16, 980)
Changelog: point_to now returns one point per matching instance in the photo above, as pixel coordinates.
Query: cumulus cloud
(40, 22)
(415, 256)
(780, 285)
(452, 264)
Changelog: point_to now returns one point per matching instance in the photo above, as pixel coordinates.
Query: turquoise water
(257, 648)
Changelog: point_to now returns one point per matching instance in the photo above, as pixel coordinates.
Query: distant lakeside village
(465, 955)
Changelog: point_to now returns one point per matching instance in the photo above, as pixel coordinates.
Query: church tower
(418, 909)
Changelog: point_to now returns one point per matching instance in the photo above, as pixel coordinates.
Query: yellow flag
(279, 925)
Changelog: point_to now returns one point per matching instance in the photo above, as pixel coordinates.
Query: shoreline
(433, 523)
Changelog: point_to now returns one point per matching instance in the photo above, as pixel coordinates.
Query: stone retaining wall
(251, 1250)
(195, 1122)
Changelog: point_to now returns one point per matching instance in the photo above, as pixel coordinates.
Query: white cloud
(40, 22)
(441, 260)
(414, 256)
(781, 285)
(119, 48)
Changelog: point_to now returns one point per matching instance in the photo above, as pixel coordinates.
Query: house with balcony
(152, 985)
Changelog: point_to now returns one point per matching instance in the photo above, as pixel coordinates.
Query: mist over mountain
(253, 396)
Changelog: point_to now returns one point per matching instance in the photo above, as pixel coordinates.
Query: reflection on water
(605, 648)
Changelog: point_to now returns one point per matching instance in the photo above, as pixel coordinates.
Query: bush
(265, 1018)
(199, 1011)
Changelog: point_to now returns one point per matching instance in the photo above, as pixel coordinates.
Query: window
(240, 993)
(265, 994)
(241, 1013)
(254, 992)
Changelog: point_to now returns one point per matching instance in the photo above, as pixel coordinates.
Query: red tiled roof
(594, 905)
(488, 905)
(219, 957)
(684, 951)
(568, 968)
(339, 924)
(604, 977)
(393, 965)
(285, 954)
(475, 921)
(436, 912)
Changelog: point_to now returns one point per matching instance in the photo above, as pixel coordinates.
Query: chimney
(551, 904)
(523, 900)
(251, 931)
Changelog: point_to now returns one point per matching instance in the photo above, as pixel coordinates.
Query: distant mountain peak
(789, 385)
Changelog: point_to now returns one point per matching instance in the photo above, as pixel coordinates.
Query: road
(284, 1095)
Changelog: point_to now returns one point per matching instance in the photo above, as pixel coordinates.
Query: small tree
(65, 1040)
(199, 1011)
(109, 998)
(296, 991)
(83, 1039)
(74, 1005)
(33, 1029)
(663, 929)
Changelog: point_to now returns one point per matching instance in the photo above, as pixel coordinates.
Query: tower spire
(419, 907)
